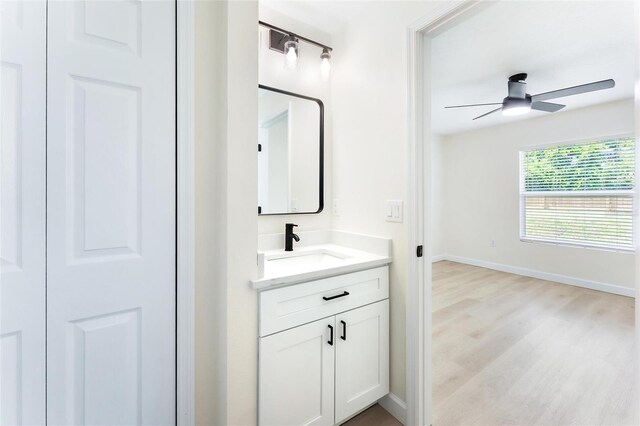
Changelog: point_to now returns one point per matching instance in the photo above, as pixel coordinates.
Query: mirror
(290, 153)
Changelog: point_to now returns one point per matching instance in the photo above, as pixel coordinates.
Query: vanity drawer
(297, 304)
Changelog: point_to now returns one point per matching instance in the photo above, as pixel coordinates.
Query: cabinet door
(296, 375)
(362, 358)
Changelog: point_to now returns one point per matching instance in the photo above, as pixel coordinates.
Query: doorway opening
(470, 174)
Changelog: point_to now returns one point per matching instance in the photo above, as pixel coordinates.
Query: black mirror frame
(321, 171)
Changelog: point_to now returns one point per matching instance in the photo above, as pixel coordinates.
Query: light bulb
(292, 57)
(291, 49)
(516, 106)
(516, 110)
(325, 65)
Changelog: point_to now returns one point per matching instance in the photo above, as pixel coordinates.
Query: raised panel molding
(99, 347)
(12, 13)
(112, 24)
(10, 166)
(11, 378)
(105, 179)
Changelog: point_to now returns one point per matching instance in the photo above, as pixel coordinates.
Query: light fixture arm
(290, 34)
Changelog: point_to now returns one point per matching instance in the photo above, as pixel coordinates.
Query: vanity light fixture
(325, 65)
(288, 43)
(291, 51)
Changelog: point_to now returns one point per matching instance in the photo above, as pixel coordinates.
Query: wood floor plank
(513, 350)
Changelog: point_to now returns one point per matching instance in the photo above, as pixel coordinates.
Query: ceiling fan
(519, 102)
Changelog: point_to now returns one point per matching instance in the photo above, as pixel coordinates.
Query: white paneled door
(111, 212)
(22, 211)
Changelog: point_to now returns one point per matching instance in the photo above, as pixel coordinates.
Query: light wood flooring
(513, 350)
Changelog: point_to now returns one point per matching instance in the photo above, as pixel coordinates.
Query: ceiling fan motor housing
(517, 89)
(518, 99)
(519, 77)
(510, 102)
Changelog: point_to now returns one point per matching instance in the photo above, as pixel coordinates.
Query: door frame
(185, 211)
(419, 284)
(418, 366)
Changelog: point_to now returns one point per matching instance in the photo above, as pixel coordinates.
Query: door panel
(106, 346)
(111, 212)
(362, 358)
(22, 211)
(296, 376)
(106, 122)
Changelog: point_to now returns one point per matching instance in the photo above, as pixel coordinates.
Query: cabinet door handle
(344, 331)
(346, 293)
(330, 335)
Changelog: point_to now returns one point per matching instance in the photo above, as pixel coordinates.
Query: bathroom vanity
(323, 330)
(323, 296)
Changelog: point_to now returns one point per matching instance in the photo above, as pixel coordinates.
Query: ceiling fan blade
(490, 112)
(546, 106)
(473, 105)
(575, 90)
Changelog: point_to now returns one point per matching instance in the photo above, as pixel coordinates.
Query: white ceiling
(330, 15)
(558, 43)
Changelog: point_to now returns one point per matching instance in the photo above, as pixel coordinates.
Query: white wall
(226, 222)
(305, 80)
(369, 95)
(437, 196)
(210, 216)
(480, 197)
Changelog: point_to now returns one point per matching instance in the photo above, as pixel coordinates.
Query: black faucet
(289, 236)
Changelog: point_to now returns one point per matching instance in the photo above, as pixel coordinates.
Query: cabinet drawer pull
(344, 331)
(330, 335)
(346, 293)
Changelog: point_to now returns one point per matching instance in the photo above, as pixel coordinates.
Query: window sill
(578, 245)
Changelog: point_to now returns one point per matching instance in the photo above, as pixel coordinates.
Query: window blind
(579, 194)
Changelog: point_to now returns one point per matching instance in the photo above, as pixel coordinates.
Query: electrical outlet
(493, 243)
(336, 207)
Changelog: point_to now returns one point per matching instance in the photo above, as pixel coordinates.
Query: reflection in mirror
(290, 153)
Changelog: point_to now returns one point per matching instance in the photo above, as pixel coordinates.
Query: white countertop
(324, 260)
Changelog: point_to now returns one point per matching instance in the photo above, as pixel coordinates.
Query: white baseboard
(562, 279)
(438, 258)
(395, 406)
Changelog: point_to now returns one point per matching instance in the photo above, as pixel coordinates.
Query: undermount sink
(318, 256)
(306, 259)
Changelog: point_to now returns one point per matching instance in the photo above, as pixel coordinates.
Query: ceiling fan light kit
(519, 102)
(515, 106)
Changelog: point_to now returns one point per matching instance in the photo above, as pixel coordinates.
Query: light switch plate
(393, 211)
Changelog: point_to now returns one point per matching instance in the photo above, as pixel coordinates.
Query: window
(580, 194)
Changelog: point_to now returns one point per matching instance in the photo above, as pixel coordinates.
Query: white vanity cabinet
(323, 358)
